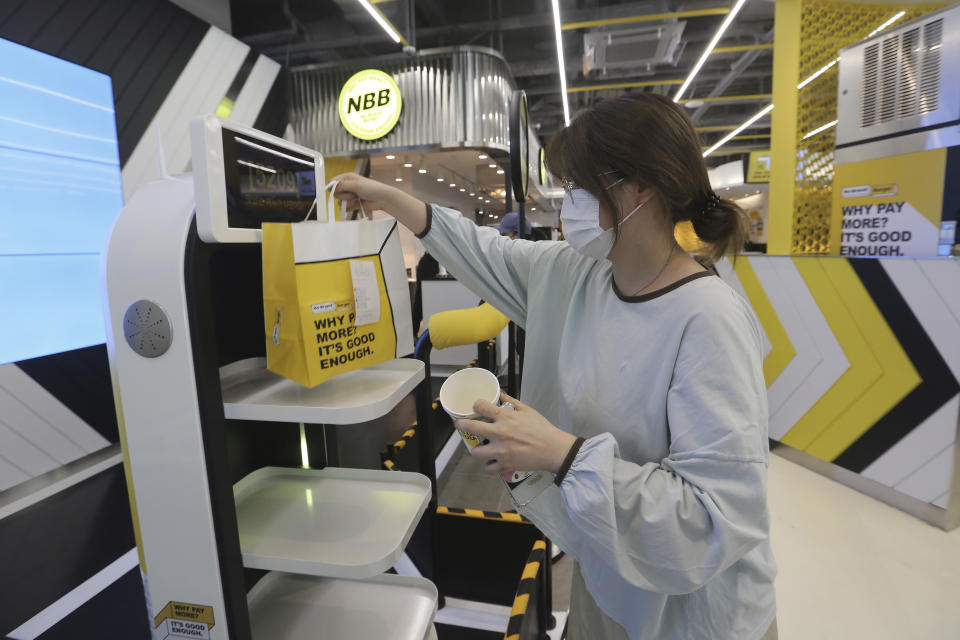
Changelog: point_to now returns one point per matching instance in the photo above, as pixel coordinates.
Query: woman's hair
(648, 139)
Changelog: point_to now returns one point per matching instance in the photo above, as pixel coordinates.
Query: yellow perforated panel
(826, 27)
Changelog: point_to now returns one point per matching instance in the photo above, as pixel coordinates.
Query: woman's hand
(520, 440)
(357, 190)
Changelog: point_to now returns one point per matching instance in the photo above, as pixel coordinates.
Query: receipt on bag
(366, 293)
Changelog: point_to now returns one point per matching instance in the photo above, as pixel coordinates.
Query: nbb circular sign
(370, 104)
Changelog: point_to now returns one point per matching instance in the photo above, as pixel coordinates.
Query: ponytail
(722, 226)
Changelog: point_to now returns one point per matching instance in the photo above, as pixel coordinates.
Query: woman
(643, 387)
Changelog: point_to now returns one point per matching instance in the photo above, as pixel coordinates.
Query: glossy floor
(852, 567)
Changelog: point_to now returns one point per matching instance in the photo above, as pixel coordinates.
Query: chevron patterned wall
(862, 363)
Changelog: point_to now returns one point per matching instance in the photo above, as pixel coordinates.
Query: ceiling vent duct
(633, 50)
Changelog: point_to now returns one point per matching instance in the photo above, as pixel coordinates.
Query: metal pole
(427, 455)
(521, 219)
(412, 23)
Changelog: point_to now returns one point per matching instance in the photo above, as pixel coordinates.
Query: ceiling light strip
(819, 129)
(886, 24)
(816, 74)
(713, 43)
(746, 124)
(649, 17)
(385, 24)
(563, 71)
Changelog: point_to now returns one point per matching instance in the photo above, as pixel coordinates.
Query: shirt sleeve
(495, 267)
(670, 526)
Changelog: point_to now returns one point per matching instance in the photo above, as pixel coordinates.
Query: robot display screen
(265, 183)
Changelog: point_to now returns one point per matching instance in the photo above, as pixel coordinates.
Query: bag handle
(330, 213)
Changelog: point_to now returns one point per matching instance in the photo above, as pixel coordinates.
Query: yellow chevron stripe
(530, 571)
(520, 605)
(540, 544)
(400, 444)
(515, 636)
(783, 350)
(512, 517)
(474, 513)
(880, 373)
(409, 433)
(898, 375)
(863, 371)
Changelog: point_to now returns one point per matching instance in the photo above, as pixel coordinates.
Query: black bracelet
(565, 467)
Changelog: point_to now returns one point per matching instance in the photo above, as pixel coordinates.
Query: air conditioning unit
(897, 81)
(633, 50)
(897, 154)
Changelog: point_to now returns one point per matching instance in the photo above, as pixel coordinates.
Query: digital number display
(265, 183)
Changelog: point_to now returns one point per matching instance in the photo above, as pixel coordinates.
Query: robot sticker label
(180, 620)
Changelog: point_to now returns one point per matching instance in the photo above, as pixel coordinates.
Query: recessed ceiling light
(439, 179)
(487, 201)
(482, 156)
(472, 194)
(399, 179)
(391, 157)
(452, 185)
(492, 166)
(533, 208)
(407, 165)
(499, 172)
(481, 198)
(421, 170)
(462, 190)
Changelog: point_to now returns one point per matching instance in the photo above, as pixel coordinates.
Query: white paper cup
(458, 394)
(461, 390)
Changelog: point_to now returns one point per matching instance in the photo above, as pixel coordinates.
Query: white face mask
(580, 214)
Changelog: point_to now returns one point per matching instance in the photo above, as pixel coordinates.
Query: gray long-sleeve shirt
(664, 508)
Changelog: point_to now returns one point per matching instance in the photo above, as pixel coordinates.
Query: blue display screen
(60, 191)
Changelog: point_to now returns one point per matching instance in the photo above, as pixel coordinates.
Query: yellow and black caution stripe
(405, 438)
(505, 516)
(390, 465)
(527, 587)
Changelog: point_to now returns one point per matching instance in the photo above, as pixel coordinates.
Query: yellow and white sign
(370, 104)
(759, 169)
(180, 620)
(889, 206)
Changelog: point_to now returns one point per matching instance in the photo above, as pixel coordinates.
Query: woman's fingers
(478, 428)
(486, 409)
(504, 398)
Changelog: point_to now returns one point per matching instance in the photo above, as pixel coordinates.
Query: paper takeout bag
(335, 296)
